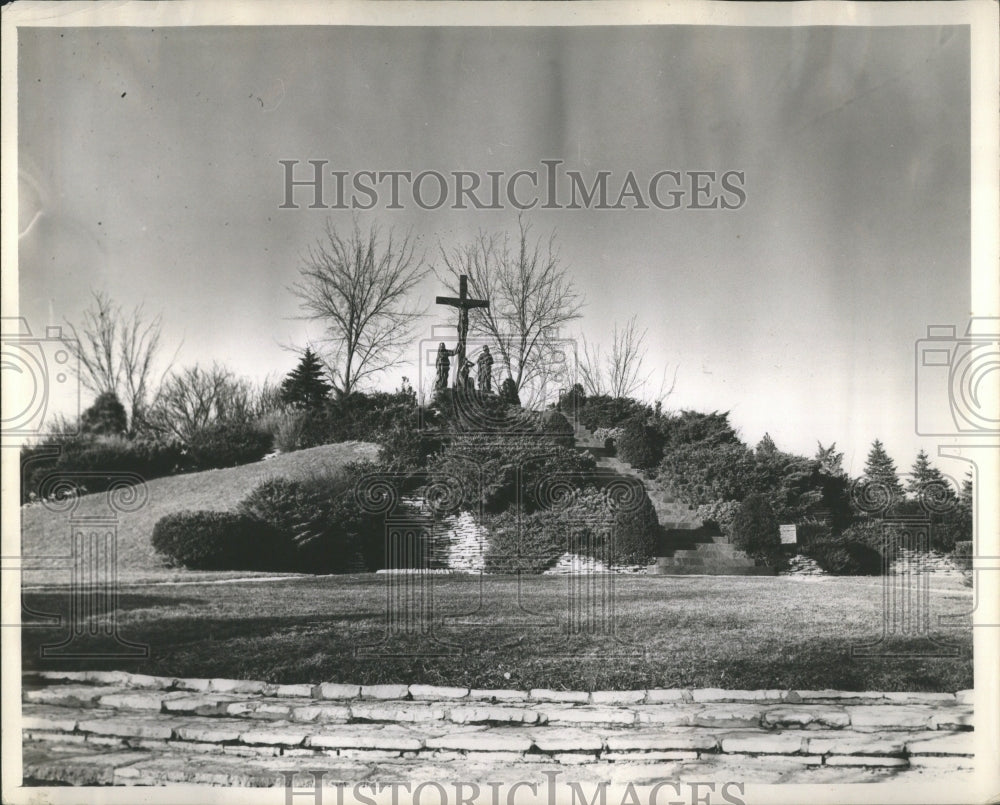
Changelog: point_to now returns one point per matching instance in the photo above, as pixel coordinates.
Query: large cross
(463, 303)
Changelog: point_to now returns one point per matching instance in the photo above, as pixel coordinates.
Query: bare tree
(531, 297)
(620, 373)
(357, 286)
(116, 352)
(196, 397)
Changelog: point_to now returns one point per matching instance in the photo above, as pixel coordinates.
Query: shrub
(720, 515)
(100, 461)
(206, 540)
(883, 538)
(843, 556)
(319, 526)
(962, 557)
(640, 445)
(405, 448)
(487, 468)
(602, 411)
(529, 544)
(755, 528)
(589, 525)
(557, 428)
(228, 444)
(106, 417)
(809, 531)
(705, 473)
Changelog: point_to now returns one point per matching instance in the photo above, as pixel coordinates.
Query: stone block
(487, 713)
(957, 743)
(661, 740)
(437, 693)
(647, 757)
(396, 711)
(617, 697)
(368, 738)
(919, 698)
(108, 677)
(806, 716)
(722, 695)
(195, 685)
(950, 764)
(848, 742)
(137, 700)
(573, 758)
(37, 719)
(366, 754)
(567, 740)
(293, 691)
(489, 741)
(335, 691)
(836, 696)
(776, 743)
(260, 708)
(952, 718)
(328, 713)
(736, 715)
(213, 731)
(128, 726)
(665, 714)
(274, 736)
(865, 760)
(587, 714)
(499, 695)
(384, 692)
(69, 695)
(889, 716)
(665, 695)
(251, 751)
(53, 735)
(566, 696)
(772, 761)
(965, 697)
(198, 705)
(67, 676)
(147, 682)
(237, 686)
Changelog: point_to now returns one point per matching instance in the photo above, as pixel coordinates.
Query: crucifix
(464, 303)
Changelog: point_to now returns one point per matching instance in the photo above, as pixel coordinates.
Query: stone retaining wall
(113, 727)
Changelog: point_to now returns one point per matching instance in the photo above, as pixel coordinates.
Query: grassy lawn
(732, 632)
(45, 534)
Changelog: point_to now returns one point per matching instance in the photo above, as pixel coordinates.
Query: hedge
(208, 540)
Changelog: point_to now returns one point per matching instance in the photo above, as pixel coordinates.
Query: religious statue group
(484, 370)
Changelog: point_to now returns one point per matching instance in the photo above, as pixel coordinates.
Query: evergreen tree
(766, 446)
(830, 461)
(106, 417)
(923, 473)
(880, 470)
(305, 385)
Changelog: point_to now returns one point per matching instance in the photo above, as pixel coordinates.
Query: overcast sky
(149, 169)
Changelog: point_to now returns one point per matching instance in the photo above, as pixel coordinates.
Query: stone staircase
(686, 546)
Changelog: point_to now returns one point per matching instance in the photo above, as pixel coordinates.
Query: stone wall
(118, 728)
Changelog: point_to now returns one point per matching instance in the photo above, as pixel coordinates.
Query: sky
(149, 168)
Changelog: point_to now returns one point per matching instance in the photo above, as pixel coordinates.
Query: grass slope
(724, 631)
(45, 542)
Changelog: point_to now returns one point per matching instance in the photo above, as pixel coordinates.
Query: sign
(788, 536)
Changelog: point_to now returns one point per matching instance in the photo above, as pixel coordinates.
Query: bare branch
(357, 287)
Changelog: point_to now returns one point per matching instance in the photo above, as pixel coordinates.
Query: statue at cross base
(464, 303)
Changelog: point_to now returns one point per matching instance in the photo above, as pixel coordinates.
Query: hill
(45, 534)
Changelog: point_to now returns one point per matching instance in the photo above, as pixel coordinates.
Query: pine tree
(830, 461)
(305, 385)
(766, 446)
(881, 470)
(923, 473)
